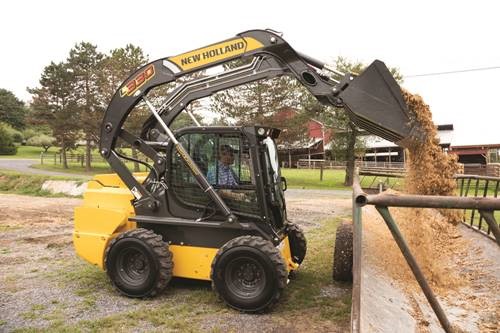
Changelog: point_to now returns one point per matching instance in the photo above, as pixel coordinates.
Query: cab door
(205, 149)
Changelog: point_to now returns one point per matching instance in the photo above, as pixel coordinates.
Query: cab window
(225, 162)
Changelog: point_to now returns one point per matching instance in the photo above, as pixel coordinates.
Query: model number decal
(133, 85)
(187, 160)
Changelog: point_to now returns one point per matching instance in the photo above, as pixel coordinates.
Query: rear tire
(139, 263)
(298, 243)
(342, 255)
(249, 274)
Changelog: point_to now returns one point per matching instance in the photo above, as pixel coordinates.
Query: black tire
(139, 263)
(249, 274)
(298, 243)
(342, 255)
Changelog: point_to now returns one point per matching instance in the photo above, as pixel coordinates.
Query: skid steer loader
(194, 215)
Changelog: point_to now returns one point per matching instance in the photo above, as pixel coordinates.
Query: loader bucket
(374, 102)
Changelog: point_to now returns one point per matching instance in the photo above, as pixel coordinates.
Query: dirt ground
(44, 285)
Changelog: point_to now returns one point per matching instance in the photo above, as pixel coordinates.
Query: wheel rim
(132, 266)
(245, 277)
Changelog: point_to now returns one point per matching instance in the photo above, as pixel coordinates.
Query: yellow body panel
(192, 262)
(104, 215)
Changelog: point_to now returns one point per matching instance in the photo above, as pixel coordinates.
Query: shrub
(41, 140)
(7, 146)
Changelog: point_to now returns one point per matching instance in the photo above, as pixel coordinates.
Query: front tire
(139, 263)
(249, 274)
(343, 253)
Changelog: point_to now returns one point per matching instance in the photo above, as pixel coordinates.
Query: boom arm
(373, 99)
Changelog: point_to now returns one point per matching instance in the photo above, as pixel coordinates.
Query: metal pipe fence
(486, 207)
(468, 186)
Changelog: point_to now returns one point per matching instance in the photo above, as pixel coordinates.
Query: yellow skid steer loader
(212, 205)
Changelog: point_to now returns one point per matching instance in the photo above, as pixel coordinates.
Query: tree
(17, 136)
(85, 63)
(271, 103)
(256, 102)
(54, 105)
(117, 67)
(41, 140)
(7, 146)
(12, 110)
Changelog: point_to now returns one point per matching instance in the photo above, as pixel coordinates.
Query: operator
(226, 175)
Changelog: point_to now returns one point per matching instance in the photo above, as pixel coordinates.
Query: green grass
(34, 152)
(316, 275)
(77, 169)
(27, 184)
(310, 179)
(477, 217)
(481, 185)
(30, 152)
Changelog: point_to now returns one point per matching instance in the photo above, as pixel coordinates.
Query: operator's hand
(233, 195)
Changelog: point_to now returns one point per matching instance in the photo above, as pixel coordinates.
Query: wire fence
(71, 158)
(96, 160)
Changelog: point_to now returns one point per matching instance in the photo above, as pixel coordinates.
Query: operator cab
(240, 163)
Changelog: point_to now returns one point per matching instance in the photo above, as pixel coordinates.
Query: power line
(454, 72)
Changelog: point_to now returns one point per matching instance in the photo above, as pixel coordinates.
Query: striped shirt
(226, 175)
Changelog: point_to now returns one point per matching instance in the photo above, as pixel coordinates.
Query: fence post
(55, 158)
(41, 158)
(321, 172)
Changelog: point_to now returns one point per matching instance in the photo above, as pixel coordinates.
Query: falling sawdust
(428, 232)
(431, 234)
(431, 238)
(430, 170)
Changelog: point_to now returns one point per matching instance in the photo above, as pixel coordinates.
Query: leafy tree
(117, 67)
(16, 135)
(54, 105)
(29, 133)
(256, 102)
(41, 140)
(85, 63)
(7, 146)
(271, 102)
(12, 110)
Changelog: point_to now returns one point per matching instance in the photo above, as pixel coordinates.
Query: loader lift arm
(373, 101)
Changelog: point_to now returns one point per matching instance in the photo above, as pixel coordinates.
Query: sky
(418, 37)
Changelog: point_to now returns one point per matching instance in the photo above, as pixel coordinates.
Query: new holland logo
(138, 81)
(215, 53)
(219, 51)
